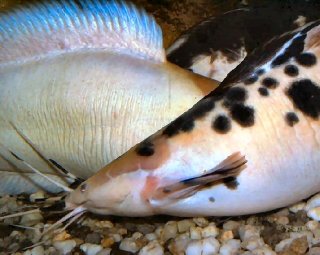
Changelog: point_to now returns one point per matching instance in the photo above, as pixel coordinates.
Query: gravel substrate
(289, 231)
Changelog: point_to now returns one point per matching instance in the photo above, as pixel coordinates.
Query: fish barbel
(82, 82)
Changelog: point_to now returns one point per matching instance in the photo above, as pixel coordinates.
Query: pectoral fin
(230, 167)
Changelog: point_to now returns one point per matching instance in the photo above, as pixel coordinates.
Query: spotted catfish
(251, 145)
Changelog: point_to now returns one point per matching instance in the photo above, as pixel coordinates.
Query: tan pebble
(252, 243)
(65, 247)
(298, 246)
(195, 233)
(137, 235)
(248, 231)
(210, 231)
(90, 249)
(122, 231)
(151, 236)
(226, 235)
(201, 222)
(184, 225)
(282, 212)
(179, 245)
(314, 251)
(159, 231)
(152, 248)
(129, 244)
(116, 237)
(282, 220)
(252, 220)
(107, 242)
(61, 236)
(88, 222)
(312, 225)
(31, 219)
(104, 224)
(106, 251)
(231, 225)
(264, 251)
(78, 241)
(38, 195)
(297, 207)
(170, 230)
(307, 234)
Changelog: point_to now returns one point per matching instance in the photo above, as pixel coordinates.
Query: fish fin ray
(35, 30)
(230, 167)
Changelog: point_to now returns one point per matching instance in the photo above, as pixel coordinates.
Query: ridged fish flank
(250, 146)
(81, 83)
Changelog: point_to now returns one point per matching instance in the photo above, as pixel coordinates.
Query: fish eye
(83, 187)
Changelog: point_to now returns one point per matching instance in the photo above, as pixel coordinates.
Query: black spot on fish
(260, 72)
(211, 199)
(291, 70)
(231, 182)
(243, 115)
(291, 119)
(185, 122)
(236, 94)
(293, 50)
(305, 96)
(306, 59)
(252, 79)
(221, 124)
(263, 91)
(270, 83)
(145, 148)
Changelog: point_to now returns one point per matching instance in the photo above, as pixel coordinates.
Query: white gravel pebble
(39, 250)
(230, 247)
(152, 248)
(262, 251)
(313, 202)
(151, 236)
(170, 230)
(314, 213)
(65, 246)
(195, 233)
(210, 231)
(248, 231)
(129, 244)
(201, 222)
(207, 246)
(252, 243)
(297, 207)
(90, 249)
(105, 251)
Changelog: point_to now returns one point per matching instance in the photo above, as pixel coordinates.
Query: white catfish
(82, 82)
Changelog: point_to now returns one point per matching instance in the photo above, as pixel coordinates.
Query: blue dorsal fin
(35, 30)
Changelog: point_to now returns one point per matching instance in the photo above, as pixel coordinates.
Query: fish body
(217, 45)
(250, 146)
(82, 87)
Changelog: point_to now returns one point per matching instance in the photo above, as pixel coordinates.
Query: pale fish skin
(81, 83)
(260, 128)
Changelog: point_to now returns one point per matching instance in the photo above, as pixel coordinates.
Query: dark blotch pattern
(291, 119)
(145, 148)
(243, 115)
(294, 49)
(291, 70)
(231, 182)
(270, 83)
(221, 124)
(252, 79)
(185, 122)
(263, 91)
(305, 96)
(236, 94)
(211, 199)
(306, 59)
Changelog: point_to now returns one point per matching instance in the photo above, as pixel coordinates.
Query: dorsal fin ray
(37, 29)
